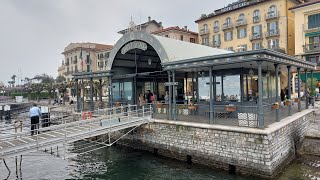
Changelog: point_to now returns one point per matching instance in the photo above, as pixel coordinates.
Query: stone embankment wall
(242, 150)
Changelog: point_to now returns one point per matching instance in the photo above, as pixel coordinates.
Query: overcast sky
(33, 33)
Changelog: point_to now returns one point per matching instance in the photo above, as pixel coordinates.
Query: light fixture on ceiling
(251, 72)
(149, 61)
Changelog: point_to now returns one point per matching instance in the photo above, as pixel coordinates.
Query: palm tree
(13, 77)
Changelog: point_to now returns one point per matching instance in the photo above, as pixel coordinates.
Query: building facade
(307, 31)
(149, 26)
(80, 57)
(250, 25)
(183, 34)
(102, 59)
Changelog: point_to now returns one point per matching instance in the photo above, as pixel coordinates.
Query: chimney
(186, 28)
(149, 19)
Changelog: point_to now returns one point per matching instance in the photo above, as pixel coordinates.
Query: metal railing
(241, 22)
(311, 47)
(272, 32)
(204, 32)
(272, 15)
(227, 26)
(256, 19)
(255, 36)
(72, 129)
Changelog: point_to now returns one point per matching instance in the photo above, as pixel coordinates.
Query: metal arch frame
(137, 36)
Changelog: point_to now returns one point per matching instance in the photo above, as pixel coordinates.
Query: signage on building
(170, 83)
(134, 45)
(237, 5)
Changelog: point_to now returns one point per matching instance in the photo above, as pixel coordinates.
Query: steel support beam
(77, 95)
(299, 90)
(289, 90)
(170, 96)
(260, 97)
(277, 92)
(211, 96)
(91, 95)
(174, 109)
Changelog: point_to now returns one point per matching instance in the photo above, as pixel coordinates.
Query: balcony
(67, 63)
(204, 32)
(75, 61)
(241, 22)
(272, 33)
(255, 37)
(216, 29)
(256, 19)
(226, 26)
(272, 15)
(313, 47)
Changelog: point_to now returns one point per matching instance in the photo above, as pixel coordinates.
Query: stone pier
(251, 151)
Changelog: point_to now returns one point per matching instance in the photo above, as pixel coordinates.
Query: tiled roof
(88, 45)
(174, 29)
(311, 2)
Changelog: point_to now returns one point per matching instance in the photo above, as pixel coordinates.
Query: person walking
(35, 114)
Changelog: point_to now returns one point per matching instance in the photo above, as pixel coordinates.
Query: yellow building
(307, 31)
(80, 57)
(250, 25)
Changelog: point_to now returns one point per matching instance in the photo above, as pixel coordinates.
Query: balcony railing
(216, 44)
(204, 32)
(272, 33)
(312, 47)
(226, 26)
(241, 22)
(272, 15)
(256, 19)
(255, 36)
(216, 29)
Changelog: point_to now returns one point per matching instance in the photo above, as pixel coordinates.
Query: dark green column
(306, 89)
(174, 107)
(77, 95)
(83, 93)
(260, 97)
(312, 89)
(299, 89)
(91, 95)
(100, 95)
(170, 96)
(289, 90)
(211, 96)
(277, 92)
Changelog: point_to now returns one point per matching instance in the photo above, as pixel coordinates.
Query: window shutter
(277, 25)
(252, 30)
(245, 32)
(260, 27)
(225, 36)
(231, 33)
(238, 33)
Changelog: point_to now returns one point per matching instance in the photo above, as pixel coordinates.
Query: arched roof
(169, 50)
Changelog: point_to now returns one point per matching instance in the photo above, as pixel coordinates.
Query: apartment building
(80, 57)
(250, 25)
(149, 26)
(307, 31)
(102, 59)
(183, 34)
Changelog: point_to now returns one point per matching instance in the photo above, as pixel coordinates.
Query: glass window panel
(231, 88)
(204, 88)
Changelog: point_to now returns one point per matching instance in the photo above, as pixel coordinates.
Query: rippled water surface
(122, 163)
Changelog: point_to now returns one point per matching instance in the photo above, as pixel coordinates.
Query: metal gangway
(103, 122)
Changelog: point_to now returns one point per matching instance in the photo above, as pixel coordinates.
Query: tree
(46, 79)
(60, 79)
(13, 77)
(37, 88)
(312, 84)
(50, 88)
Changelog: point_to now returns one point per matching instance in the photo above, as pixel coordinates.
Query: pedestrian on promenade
(35, 114)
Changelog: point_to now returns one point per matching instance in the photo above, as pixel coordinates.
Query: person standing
(34, 114)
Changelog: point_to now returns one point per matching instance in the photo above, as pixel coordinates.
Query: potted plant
(275, 105)
(230, 108)
(296, 100)
(312, 84)
(287, 102)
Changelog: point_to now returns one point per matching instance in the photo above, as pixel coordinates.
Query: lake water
(122, 163)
